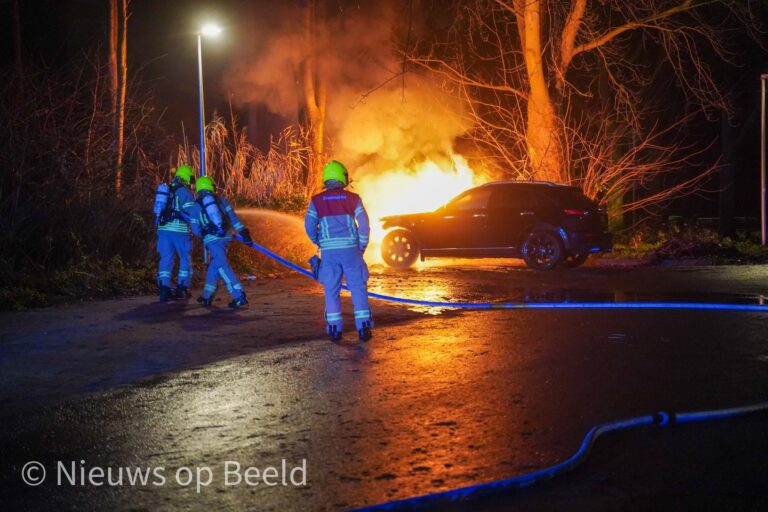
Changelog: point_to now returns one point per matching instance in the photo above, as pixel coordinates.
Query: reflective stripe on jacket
(198, 219)
(336, 219)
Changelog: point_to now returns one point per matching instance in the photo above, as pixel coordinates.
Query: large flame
(421, 189)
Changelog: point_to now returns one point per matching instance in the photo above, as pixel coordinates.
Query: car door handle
(526, 213)
(479, 215)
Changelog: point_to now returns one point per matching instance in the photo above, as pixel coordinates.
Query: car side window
(518, 199)
(472, 200)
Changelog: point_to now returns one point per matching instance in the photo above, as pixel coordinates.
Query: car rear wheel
(542, 250)
(399, 248)
(574, 260)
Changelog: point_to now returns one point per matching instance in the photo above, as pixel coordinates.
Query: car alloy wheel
(542, 250)
(399, 248)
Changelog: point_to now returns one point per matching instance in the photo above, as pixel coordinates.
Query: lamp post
(208, 30)
(763, 78)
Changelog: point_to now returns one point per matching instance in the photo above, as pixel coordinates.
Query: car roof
(541, 186)
(525, 182)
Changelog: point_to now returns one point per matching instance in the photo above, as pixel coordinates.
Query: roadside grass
(90, 279)
(19, 298)
(689, 243)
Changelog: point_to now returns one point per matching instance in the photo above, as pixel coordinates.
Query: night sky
(161, 45)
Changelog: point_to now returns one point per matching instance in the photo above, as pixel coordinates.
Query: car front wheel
(399, 248)
(542, 250)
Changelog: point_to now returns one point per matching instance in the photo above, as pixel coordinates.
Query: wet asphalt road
(438, 399)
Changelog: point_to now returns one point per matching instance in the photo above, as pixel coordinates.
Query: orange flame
(402, 190)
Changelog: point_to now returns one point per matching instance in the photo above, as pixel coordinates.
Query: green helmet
(204, 183)
(185, 172)
(335, 170)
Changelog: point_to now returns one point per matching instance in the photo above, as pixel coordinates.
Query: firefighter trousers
(349, 264)
(219, 268)
(171, 244)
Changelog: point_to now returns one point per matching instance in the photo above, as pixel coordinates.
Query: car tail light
(569, 211)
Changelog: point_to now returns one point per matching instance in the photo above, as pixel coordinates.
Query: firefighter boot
(334, 334)
(204, 301)
(166, 293)
(238, 302)
(365, 333)
(182, 292)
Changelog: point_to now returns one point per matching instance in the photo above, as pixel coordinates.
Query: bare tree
(118, 73)
(55, 199)
(113, 53)
(315, 91)
(561, 90)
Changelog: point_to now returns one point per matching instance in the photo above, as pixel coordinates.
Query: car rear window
(573, 198)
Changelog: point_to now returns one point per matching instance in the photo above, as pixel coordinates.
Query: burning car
(544, 223)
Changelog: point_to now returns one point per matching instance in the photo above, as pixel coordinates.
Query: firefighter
(212, 218)
(171, 201)
(337, 223)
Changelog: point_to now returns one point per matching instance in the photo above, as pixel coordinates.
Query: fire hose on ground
(759, 308)
(659, 419)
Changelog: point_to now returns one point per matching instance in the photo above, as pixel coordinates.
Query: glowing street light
(210, 30)
(207, 30)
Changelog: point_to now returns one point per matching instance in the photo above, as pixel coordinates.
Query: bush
(58, 191)
(20, 298)
(249, 177)
(93, 278)
(681, 242)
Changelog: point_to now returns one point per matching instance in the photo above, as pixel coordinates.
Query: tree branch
(570, 31)
(460, 78)
(613, 33)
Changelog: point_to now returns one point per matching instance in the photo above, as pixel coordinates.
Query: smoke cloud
(375, 119)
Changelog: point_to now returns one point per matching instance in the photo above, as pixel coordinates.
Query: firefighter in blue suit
(211, 218)
(173, 235)
(337, 223)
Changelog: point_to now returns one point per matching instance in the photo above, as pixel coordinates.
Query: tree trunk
(315, 99)
(616, 213)
(544, 137)
(113, 26)
(122, 97)
(121, 82)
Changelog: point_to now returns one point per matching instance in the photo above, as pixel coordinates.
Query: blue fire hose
(527, 305)
(474, 491)
(659, 419)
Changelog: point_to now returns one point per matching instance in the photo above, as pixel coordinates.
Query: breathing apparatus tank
(161, 200)
(213, 213)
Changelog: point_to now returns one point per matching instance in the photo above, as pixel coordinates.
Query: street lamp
(763, 233)
(207, 30)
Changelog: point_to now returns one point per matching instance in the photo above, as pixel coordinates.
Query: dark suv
(544, 223)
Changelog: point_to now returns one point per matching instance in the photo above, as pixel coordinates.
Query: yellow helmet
(205, 183)
(185, 172)
(335, 171)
